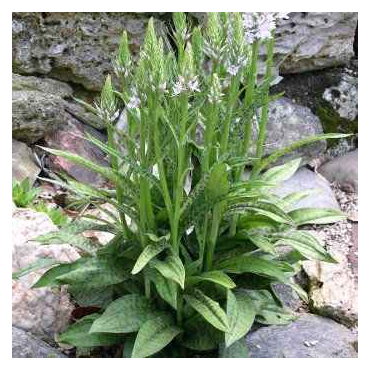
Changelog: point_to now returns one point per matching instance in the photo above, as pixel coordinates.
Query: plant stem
(264, 115)
(248, 101)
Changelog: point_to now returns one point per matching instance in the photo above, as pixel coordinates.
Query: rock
(287, 123)
(344, 97)
(43, 311)
(304, 179)
(44, 85)
(333, 288)
(343, 170)
(70, 138)
(23, 164)
(74, 47)
(308, 337)
(315, 40)
(25, 345)
(287, 296)
(35, 114)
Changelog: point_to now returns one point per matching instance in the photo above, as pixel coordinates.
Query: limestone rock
(305, 179)
(26, 345)
(23, 164)
(287, 123)
(44, 311)
(343, 170)
(310, 336)
(75, 47)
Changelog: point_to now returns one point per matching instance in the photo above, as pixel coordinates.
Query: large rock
(75, 47)
(23, 164)
(287, 123)
(70, 138)
(343, 170)
(308, 337)
(36, 113)
(304, 179)
(315, 40)
(44, 311)
(26, 345)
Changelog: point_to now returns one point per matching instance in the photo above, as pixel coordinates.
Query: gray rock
(343, 170)
(308, 337)
(35, 113)
(25, 345)
(23, 164)
(75, 47)
(305, 179)
(344, 97)
(287, 296)
(315, 40)
(70, 138)
(287, 123)
(44, 85)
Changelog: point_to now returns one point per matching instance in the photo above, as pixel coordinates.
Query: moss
(332, 122)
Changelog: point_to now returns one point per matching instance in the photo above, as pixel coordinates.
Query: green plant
(195, 247)
(23, 194)
(56, 215)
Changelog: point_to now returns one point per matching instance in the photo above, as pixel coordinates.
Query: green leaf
(254, 265)
(97, 272)
(217, 277)
(199, 335)
(147, 254)
(78, 335)
(106, 172)
(209, 309)
(49, 277)
(64, 236)
(171, 268)
(279, 174)
(305, 216)
(281, 152)
(240, 313)
(166, 288)
(37, 265)
(128, 346)
(124, 315)
(86, 296)
(154, 335)
(306, 244)
(236, 350)
(293, 198)
(262, 243)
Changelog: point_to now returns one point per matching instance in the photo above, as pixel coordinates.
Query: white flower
(181, 85)
(134, 102)
(193, 84)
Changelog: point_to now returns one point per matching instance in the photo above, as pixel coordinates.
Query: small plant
(23, 193)
(56, 215)
(195, 248)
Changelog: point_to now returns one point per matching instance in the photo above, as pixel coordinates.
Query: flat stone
(343, 170)
(310, 336)
(23, 163)
(42, 311)
(287, 123)
(70, 138)
(26, 345)
(305, 179)
(287, 296)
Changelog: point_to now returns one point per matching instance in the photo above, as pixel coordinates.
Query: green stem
(264, 115)
(248, 102)
(216, 219)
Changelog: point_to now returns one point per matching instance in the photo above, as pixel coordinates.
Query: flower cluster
(260, 25)
(182, 85)
(214, 96)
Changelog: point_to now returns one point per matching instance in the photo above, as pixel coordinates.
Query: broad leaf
(124, 315)
(154, 335)
(147, 254)
(37, 265)
(240, 313)
(217, 277)
(237, 350)
(262, 243)
(282, 173)
(171, 268)
(79, 335)
(304, 216)
(166, 288)
(209, 309)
